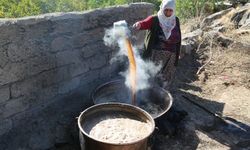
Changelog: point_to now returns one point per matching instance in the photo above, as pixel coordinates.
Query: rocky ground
(214, 74)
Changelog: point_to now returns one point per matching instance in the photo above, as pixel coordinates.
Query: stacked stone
(48, 57)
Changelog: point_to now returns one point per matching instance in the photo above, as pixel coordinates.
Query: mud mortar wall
(50, 63)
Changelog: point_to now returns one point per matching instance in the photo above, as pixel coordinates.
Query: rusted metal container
(91, 116)
(116, 91)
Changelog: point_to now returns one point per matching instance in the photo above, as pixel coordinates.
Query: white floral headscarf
(167, 23)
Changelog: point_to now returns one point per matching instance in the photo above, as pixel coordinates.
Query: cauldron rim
(122, 80)
(150, 118)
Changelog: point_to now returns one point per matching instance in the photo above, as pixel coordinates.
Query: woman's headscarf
(167, 23)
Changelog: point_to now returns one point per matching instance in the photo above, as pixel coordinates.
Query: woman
(163, 40)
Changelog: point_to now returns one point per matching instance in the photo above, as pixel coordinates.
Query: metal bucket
(91, 116)
(116, 91)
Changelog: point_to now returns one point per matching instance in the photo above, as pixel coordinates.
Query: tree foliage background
(20, 8)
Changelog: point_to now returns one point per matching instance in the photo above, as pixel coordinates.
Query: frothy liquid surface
(120, 130)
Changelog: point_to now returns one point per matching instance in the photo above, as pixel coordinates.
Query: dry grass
(191, 24)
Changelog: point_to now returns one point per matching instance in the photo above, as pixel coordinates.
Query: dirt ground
(227, 80)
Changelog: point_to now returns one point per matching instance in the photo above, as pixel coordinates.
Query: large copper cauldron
(91, 116)
(155, 100)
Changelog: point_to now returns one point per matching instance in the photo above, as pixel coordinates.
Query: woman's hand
(137, 26)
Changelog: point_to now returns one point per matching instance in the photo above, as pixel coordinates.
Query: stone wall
(48, 66)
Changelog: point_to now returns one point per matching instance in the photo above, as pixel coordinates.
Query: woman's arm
(144, 24)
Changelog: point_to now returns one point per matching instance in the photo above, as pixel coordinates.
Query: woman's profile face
(168, 12)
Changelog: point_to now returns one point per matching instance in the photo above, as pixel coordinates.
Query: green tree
(194, 8)
(25, 8)
(5, 7)
(19, 8)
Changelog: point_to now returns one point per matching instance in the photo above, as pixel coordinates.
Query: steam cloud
(145, 69)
